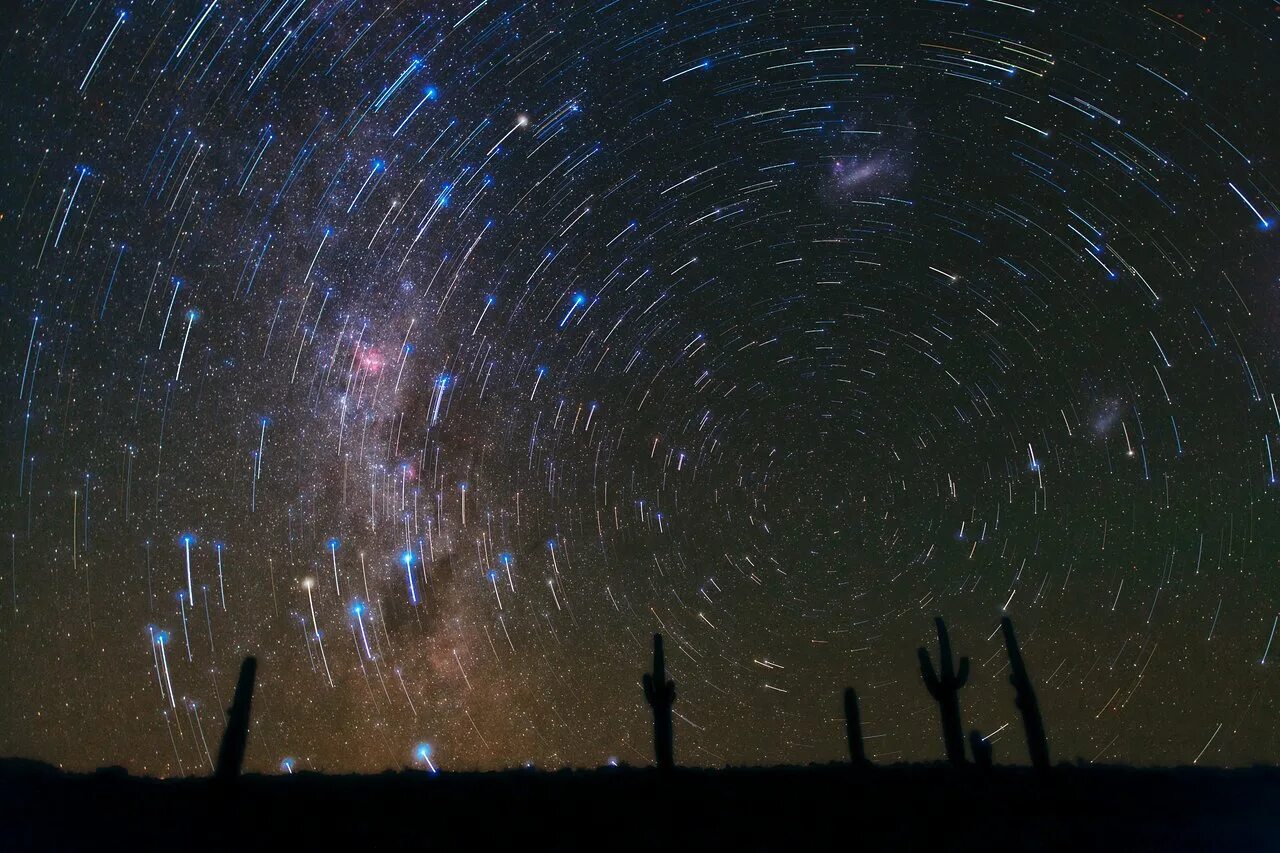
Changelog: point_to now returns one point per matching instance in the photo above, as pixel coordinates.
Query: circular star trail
(440, 354)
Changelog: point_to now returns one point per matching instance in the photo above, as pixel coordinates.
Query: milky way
(440, 354)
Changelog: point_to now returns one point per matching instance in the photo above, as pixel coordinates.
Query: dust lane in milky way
(440, 354)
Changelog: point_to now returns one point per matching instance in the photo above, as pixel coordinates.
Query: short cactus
(236, 736)
(853, 728)
(945, 690)
(981, 748)
(660, 693)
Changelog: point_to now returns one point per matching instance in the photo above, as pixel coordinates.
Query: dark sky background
(776, 327)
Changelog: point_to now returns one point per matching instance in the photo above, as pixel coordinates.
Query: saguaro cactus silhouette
(981, 748)
(945, 690)
(660, 693)
(236, 737)
(1032, 722)
(853, 728)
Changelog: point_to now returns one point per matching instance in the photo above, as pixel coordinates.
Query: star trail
(439, 354)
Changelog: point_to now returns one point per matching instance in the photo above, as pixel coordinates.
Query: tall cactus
(853, 728)
(236, 737)
(1032, 722)
(660, 693)
(945, 690)
(981, 748)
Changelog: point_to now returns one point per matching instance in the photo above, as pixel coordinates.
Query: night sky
(439, 354)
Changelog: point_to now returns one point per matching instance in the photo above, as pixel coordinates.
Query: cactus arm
(1016, 663)
(963, 675)
(927, 673)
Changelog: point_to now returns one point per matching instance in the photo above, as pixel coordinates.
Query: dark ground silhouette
(821, 807)
(960, 805)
